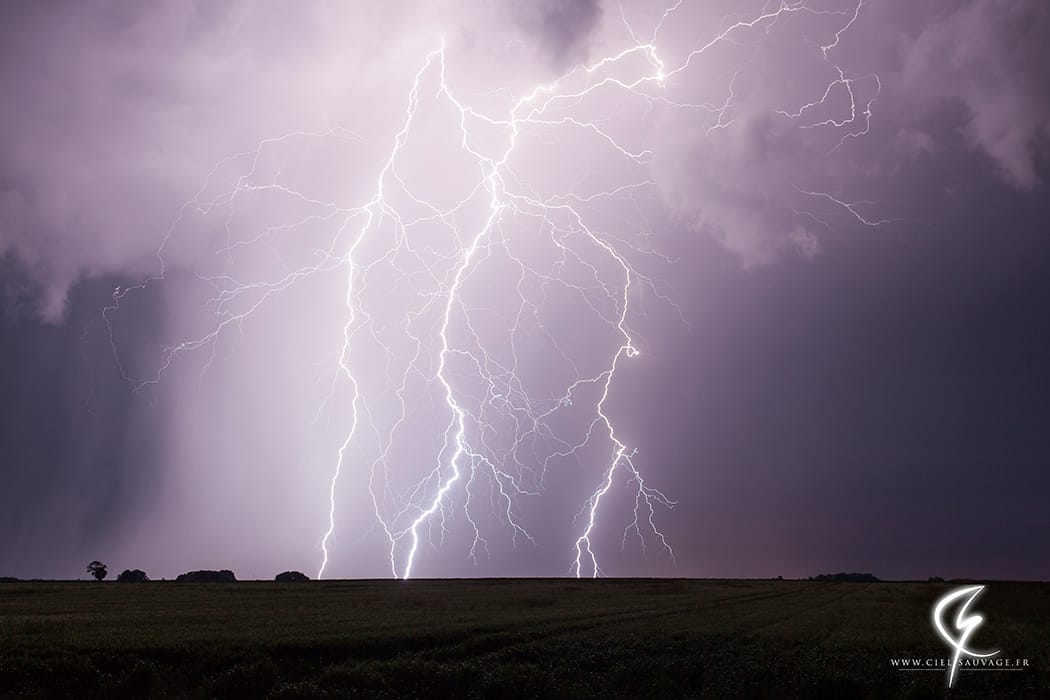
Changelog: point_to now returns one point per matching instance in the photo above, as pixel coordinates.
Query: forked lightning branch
(500, 433)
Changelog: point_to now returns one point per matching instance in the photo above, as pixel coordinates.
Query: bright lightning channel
(465, 451)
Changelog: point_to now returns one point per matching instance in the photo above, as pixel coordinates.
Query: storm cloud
(910, 140)
(117, 111)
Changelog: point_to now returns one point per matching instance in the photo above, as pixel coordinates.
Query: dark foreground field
(504, 639)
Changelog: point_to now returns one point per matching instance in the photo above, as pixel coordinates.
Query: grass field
(504, 639)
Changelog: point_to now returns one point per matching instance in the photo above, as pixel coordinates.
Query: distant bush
(291, 577)
(207, 576)
(852, 577)
(935, 579)
(133, 575)
(8, 579)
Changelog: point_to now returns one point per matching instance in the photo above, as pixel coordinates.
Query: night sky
(818, 389)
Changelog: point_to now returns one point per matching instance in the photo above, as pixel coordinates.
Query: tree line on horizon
(99, 571)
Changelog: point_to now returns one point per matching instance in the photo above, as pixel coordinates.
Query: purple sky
(822, 226)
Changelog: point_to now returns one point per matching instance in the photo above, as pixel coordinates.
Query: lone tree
(97, 569)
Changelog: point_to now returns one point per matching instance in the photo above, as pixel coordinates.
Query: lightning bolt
(494, 428)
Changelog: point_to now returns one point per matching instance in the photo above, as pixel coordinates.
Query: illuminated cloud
(415, 243)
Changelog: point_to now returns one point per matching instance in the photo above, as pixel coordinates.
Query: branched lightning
(495, 429)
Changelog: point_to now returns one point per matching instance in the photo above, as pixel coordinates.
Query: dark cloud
(79, 452)
(559, 28)
(987, 59)
(930, 72)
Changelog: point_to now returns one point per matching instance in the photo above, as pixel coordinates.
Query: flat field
(505, 638)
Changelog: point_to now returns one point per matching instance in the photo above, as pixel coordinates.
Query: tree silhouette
(133, 575)
(97, 569)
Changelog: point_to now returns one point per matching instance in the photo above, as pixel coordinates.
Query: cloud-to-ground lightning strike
(495, 428)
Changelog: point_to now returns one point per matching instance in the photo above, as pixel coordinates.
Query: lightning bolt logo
(964, 623)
